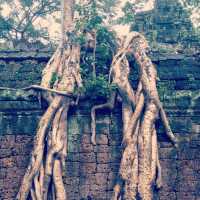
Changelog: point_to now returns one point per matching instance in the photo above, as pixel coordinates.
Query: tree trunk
(140, 169)
(43, 178)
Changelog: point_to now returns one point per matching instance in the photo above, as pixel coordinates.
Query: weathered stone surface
(91, 171)
(168, 23)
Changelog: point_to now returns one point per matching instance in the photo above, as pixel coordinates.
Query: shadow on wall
(168, 23)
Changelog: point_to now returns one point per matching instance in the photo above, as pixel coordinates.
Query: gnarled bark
(140, 168)
(43, 178)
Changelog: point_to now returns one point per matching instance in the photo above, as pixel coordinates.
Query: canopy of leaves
(18, 24)
(93, 20)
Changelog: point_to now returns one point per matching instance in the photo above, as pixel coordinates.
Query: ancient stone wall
(168, 23)
(91, 170)
(20, 69)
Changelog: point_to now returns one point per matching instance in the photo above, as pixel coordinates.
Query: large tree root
(43, 178)
(38, 152)
(140, 168)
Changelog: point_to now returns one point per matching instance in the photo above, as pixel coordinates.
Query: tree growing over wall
(61, 79)
(140, 169)
(43, 177)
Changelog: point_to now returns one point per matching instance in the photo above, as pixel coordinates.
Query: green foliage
(5, 27)
(129, 11)
(89, 17)
(18, 25)
(129, 14)
(95, 13)
(104, 51)
(98, 87)
(92, 18)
